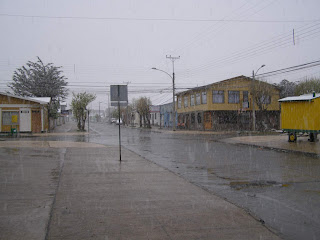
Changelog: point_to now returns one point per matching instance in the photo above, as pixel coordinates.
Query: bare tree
(262, 92)
(287, 88)
(308, 86)
(143, 108)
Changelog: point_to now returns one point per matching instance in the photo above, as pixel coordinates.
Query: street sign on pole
(122, 104)
(119, 96)
(119, 93)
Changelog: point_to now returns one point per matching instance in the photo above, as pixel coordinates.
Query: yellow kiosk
(301, 114)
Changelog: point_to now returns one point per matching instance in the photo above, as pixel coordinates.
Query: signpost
(119, 97)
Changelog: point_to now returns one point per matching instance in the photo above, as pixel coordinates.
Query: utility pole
(127, 122)
(173, 92)
(253, 96)
(88, 120)
(253, 107)
(108, 107)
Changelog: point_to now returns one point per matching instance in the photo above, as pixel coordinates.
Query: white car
(117, 122)
(113, 120)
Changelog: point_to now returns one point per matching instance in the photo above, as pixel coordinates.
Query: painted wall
(166, 115)
(240, 84)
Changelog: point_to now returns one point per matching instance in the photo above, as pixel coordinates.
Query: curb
(310, 154)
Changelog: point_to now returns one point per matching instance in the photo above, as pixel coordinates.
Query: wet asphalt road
(277, 188)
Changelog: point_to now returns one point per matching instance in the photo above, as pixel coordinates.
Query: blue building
(166, 115)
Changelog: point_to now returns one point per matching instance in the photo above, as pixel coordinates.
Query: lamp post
(253, 107)
(108, 108)
(99, 113)
(173, 98)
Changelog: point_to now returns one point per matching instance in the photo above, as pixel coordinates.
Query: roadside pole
(119, 122)
(88, 119)
(119, 97)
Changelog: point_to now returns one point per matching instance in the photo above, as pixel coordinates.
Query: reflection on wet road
(280, 189)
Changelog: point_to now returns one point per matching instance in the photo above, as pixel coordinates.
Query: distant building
(24, 114)
(155, 115)
(227, 105)
(166, 115)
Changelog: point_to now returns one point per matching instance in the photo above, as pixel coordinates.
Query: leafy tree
(287, 88)
(79, 105)
(37, 79)
(308, 86)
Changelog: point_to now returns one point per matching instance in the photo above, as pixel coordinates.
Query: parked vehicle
(117, 122)
(113, 120)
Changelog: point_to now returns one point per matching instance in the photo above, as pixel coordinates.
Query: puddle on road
(238, 185)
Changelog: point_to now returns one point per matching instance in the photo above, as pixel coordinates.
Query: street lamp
(173, 97)
(99, 113)
(253, 108)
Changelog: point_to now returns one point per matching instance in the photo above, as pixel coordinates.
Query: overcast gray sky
(100, 42)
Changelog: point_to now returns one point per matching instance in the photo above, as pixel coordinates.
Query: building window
(204, 97)
(10, 118)
(245, 96)
(155, 116)
(265, 99)
(217, 96)
(185, 98)
(192, 100)
(179, 102)
(233, 97)
(198, 99)
(245, 103)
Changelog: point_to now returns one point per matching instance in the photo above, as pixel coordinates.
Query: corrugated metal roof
(305, 97)
(41, 100)
(220, 82)
(211, 84)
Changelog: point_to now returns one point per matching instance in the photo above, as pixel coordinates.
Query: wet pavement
(279, 186)
(279, 142)
(271, 179)
(79, 190)
(29, 180)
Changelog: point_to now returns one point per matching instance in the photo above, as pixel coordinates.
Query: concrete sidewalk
(101, 198)
(279, 142)
(97, 197)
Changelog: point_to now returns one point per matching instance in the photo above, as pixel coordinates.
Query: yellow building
(227, 105)
(301, 114)
(23, 114)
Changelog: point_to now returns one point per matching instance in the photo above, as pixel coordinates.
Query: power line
(156, 19)
(212, 30)
(290, 68)
(260, 48)
(293, 70)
